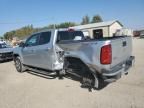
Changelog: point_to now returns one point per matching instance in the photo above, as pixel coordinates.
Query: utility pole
(53, 20)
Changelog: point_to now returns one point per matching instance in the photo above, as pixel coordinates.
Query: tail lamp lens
(106, 55)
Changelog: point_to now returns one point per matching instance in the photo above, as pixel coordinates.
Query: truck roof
(60, 29)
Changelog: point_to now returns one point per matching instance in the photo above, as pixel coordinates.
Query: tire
(19, 66)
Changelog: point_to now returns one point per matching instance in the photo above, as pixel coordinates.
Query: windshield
(70, 35)
(3, 45)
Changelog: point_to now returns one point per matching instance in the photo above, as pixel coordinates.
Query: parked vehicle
(6, 52)
(136, 33)
(64, 50)
(142, 34)
(124, 32)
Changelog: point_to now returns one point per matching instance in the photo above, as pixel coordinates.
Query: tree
(96, 19)
(85, 20)
(66, 25)
(27, 30)
(1, 38)
(61, 25)
(9, 35)
(20, 33)
(24, 31)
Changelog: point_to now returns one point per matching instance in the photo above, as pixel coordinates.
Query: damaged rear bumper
(117, 71)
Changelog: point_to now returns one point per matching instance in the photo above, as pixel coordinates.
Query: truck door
(44, 51)
(29, 51)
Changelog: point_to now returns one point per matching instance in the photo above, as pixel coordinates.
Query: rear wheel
(18, 64)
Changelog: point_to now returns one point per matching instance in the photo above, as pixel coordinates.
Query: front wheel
(18, 64)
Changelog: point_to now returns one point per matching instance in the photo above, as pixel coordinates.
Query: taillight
(106, 55)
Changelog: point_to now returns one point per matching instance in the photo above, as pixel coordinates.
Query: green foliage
(20, 33)
(27, 30)
(56, 26)
(9, 35)
(85, 20)
(61, 25)
(96, 19)
(66, 25)
(1, 38)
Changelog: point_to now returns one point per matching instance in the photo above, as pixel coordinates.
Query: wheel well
(15, 55)
(75, 60)
(80, 69)
(76, 63)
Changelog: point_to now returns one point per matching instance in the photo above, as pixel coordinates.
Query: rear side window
(70, 35)
(44, 38)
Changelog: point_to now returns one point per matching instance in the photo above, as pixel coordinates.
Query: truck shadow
(102, 84)
(42, 75)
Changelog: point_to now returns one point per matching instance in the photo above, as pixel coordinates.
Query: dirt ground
(24, 90)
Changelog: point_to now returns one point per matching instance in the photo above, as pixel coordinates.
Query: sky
(15, 14)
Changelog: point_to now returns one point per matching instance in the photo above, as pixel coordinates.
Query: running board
(44, 72)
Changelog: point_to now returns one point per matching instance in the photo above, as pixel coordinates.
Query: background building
(100, 30)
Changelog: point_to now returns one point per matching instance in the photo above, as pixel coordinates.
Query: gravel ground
(24, 90)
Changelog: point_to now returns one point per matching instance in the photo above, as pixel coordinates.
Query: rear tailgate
(121, 50)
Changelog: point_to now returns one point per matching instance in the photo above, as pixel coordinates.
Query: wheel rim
(18, 65)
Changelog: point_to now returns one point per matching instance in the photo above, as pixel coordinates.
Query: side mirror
(22, 44)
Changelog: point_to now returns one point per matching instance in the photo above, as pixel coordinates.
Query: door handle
(124, 43)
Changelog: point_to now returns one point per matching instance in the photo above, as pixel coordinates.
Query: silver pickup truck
(68, 51)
